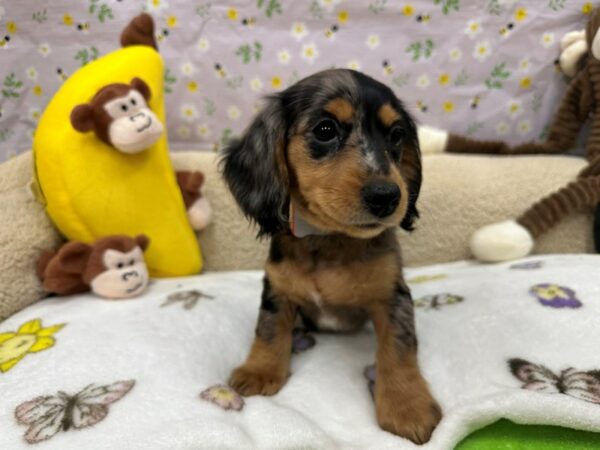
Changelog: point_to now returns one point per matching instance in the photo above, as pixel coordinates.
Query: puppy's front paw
(252, 381)
(413, 416)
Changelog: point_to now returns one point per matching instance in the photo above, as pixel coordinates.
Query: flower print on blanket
(437, 301)
(584, 385)
(189, 298)
(48, 414)
(527, 265)
(223, 396)
(549, 294)
(426, 278)
(302, 341)
(31, 337)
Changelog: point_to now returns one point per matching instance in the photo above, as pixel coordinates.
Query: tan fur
(388, 115)
(403, 402)
(341, 108)
(267, 367)
(337, 207)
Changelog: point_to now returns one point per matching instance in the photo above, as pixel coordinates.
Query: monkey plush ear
(140, 85)
(143, 241)
(82, 118)
(73, 257)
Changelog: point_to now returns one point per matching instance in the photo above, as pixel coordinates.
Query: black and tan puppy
(328, 169)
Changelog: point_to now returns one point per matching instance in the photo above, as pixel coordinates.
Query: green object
(506, 435)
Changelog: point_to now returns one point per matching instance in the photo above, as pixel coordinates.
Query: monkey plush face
(119, 116)
(125, 274)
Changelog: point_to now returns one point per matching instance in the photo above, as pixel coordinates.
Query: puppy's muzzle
(381, 197)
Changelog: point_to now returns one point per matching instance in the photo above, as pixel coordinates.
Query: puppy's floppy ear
(410, 167)
(140, 85)
(73, 257)
(254, 167)
(143, 241)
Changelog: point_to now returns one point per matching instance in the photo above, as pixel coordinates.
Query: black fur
(250, 164)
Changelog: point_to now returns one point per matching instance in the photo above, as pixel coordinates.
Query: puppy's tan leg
(266, 368)
(402, 399)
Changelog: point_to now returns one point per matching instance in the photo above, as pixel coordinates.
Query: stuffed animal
(102, 160)
(112, 267)
(513, 239)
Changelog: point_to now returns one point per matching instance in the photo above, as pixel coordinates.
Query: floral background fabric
(484, 68)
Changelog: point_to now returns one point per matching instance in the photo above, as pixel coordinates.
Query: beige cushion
(459, 194)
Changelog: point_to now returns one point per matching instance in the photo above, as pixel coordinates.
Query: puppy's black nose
(381, 197)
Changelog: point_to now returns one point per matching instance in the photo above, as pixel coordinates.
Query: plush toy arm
(197, 206)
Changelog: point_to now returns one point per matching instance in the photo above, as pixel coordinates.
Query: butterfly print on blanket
(47, 415)
(584, 385)
(437, 301)
(188, 298)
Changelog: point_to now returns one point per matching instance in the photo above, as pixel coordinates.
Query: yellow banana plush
(92, 190)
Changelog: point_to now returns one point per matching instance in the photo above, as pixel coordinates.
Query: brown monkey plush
(515, 238)
(112, 267)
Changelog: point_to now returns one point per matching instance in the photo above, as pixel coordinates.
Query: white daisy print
(328, 4)
(255, 84)
(423, 81)
(353, 64)
(187, 69)
(32, 73)
(482, 50)
(203, 131)
(524, 127)
(309, 52)
(44, 49)
(455, 54)
(473, 28)
(233, 112)
(203, 44)
(183, 132)
(502, 128)
(547, 39)
(188, 112)
(299, 30)
(515, 108)
(284, 56)
(373, 41)
(35, 113)
(156, 5)
(524, 65)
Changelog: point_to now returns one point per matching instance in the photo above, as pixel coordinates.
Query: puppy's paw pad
(250, 381)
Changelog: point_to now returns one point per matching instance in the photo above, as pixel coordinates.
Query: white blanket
(128, 374)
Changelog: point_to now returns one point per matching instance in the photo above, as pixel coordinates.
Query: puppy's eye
(132, 262)
(396, 135)
(120, 265)
(325, 131)
(124, 107)
(133, 102)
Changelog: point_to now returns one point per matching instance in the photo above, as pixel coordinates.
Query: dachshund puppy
(328, 170)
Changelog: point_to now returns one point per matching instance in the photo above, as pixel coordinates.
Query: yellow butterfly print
(30, 338)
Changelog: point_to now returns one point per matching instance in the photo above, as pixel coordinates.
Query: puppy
(328, 170)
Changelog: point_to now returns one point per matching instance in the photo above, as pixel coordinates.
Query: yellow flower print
(343, 16)
(68, 19)
(587, 8)
(426, 278)
(192, 86)
(276, 82)
(408, 10)
(30, 338)
(11, 27)
(520, 14)
(444, 79)
(37, 90)
(232, 14)
(549, 292)
(525, 83)
(172, 21)
(448, 107)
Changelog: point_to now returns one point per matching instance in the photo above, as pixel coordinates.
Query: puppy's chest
(334, 282)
